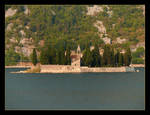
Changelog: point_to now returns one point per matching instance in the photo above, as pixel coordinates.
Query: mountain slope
(29, 26)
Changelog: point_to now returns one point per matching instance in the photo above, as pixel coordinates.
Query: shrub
(34, 69)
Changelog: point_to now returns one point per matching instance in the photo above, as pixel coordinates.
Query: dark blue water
(85, 91)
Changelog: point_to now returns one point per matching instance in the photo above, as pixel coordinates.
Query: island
(75, 67)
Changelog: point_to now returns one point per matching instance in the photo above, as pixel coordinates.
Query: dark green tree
(95, 57)
(127, 57)
(34, 57)
(121, 62)
(11, 57)
(87, 58)
(68, 58)
(112, 57)
(117, 58)
(107, 55)
(62, 59)
(44, 57)
(51, 54)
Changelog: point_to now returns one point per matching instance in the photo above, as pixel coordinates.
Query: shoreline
(18, 66)
(132, 65)
(71, 69)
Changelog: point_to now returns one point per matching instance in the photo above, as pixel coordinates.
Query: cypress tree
(44, 57)
(117, 58)
(68, 58)
(112, 57)
(109, 61)
(95, 57)
(127, 57)
(52, 55)
(87, 58)
(57, 57)
(120, 59)
(34, 57)
(105, 56)
(62, 58)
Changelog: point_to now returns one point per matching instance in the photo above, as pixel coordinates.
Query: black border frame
(74, 2)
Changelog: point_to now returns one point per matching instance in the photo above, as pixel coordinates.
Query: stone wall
(103, 69)
(75, 69)
(59, 69)
(137, 65)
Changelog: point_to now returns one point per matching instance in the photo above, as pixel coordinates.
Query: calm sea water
(85, 91)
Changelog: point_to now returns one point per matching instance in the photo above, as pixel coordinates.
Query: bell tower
(78, 50)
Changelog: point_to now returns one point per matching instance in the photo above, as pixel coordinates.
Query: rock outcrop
(10, 12)
(94, 10)
(120, 41)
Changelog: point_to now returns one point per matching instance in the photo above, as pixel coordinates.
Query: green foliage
(44, 57)
(137, 56)
(87, 58)
(127, 19)
(68, 25)
(11, 57)
(96, 57)
(68, 59)
(34, 57)
(138, 53)
(117, 55)
(137, 61)
(107, 58)
(127, 57)
(50, 55)
(121, 59)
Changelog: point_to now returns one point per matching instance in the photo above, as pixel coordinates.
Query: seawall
(75, 69)
(137, 65)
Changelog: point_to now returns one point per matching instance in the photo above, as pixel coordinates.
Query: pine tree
(34, 57)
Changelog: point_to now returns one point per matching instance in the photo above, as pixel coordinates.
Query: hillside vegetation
(63, 26)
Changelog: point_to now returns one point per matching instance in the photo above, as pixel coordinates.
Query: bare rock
(27, 11)
(99, 25)
(106, 40)
(22, 32)
(94, 10)
(120, 40)
(9, 26)
(10, 12)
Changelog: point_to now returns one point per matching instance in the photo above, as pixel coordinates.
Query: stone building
(76, 57)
